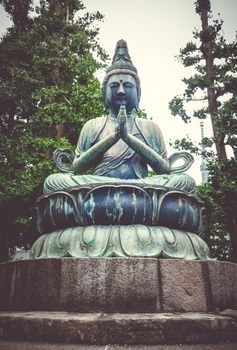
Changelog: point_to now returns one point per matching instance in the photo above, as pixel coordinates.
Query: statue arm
(155, 160)
(87, 158)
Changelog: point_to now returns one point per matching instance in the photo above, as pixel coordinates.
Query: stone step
(103, 329)
(31, 345)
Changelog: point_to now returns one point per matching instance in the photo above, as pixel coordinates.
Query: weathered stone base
(111, 285)
(188, 328)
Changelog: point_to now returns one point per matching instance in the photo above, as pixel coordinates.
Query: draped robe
(120, 164)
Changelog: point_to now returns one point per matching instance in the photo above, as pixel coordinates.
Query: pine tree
(215, 84)
(214, 81)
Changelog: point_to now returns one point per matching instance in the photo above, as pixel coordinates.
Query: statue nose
(120, 91)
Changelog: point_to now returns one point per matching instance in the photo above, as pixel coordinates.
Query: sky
(155, 30)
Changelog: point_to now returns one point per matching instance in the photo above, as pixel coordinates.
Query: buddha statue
(120, 146)
(119, 210)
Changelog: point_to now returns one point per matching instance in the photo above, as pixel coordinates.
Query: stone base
(188, 328)
(124, 285)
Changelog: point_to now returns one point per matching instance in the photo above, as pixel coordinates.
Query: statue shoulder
(147, 127)
(152, 135)
(95, 123)
(89, 134)
(93, 127)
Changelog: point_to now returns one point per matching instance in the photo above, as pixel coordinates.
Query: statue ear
(107, 97)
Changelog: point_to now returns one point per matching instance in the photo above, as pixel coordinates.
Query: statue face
(121, 90)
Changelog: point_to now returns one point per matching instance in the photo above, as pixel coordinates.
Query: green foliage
(48, 91)
(200, 113)
(185, 144)
(219, 195)
(177, 108)
(141, 113)
(203, 148)
(18, 10)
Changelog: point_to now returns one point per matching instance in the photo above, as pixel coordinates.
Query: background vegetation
(214, 87)
(48, 90)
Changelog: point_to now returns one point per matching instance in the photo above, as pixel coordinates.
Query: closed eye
(114, 85)
(127, 84)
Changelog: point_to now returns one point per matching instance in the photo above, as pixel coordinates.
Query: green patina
(113, 203)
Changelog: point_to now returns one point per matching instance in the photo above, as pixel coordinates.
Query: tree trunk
(59, 131)
(212, 99)
(63, 8)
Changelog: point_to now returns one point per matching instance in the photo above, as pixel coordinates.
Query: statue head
(121, 85)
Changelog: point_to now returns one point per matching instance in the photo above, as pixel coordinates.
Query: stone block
(184, 286)
(30, 285)
(7, 284)
(223, 282)
(85, 285)
(110, 285)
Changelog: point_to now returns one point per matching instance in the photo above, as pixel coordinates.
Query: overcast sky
(155, 30)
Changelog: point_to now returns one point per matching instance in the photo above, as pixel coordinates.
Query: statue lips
(122, 101)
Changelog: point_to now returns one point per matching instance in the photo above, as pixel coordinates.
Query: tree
(215, 81)
(219, 195)
(215, 86)
(48, 90)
